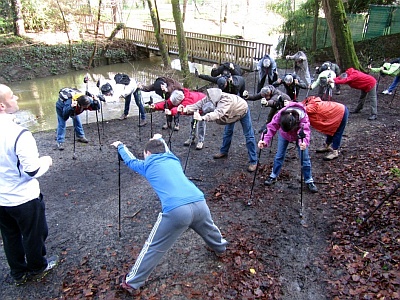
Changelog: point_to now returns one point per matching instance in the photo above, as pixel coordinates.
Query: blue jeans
(138, 101)
(61, 127)
(336, 139)
(394, 83)
(248, 134)
(280, 157)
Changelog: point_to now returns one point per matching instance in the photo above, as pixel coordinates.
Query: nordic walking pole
(119, 194)
(192, 130)
(301, 137)
(151, 116)
(255, 172)
(380, 204)
(74, 154)
(172, 131)
(98, 128)
(86, 80)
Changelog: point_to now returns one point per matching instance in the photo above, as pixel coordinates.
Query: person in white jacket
(325, 85)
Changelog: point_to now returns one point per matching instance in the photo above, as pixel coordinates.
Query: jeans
(394, 83)
(200, 130)
(61, 127)
(24, 231)
(138, 100)
(280, 157)
(248, 134)
(336, 139)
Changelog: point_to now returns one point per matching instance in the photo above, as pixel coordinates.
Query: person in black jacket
(292, 84)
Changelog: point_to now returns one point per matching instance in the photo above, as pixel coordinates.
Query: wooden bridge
(201, 48)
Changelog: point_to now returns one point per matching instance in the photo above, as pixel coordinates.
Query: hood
(214, 95)
(386, 66)
(350, 71)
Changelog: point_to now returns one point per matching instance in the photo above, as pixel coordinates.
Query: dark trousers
(24, 231)
(138, 100)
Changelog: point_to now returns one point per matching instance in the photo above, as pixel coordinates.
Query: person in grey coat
(266, 68)
(301, 65)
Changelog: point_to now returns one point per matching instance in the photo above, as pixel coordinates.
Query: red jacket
(191, 97)
(357, 80)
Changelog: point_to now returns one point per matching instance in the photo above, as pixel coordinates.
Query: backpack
(122, 79)
(66, 93)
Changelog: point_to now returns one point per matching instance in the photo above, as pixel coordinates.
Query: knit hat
(221, 82)
(176, 97)
(266, 62)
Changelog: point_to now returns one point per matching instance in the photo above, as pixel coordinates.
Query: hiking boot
(199, 145)
(123, 117)
(127, 288)
(356, 111)
(82, 139)
(188, 142)
(52, 262)
(252, 168)
(324, 148)
(60, 146)
(334, 154)
(166, 126)
(176, 127)
(21, 281)
(386, 92)
(372, 117)
(270, 180)
(220, 155)
(142, 123)
(311, 186)
(217, 254)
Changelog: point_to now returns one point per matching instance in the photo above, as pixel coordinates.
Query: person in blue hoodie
(183, 207)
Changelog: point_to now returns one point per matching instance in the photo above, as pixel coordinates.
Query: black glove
(101, 98)
(88, 94)
(95, 104)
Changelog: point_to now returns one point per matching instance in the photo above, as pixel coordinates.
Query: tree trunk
(184, 9)
(66, 29)
(96, 33)
(342, 42)
(315, 27)
(157, 31)
(180, 35)
(19, 25)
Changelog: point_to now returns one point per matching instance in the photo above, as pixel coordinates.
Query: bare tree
(19, 25)
(342, 42)
(96, 33)
(66, 29)
(157, 31)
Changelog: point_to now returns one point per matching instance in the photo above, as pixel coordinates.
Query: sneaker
(82, 139)
(199, 145)
(372, 117)
(252, 168)
(324, 148)
(217, 254)
(220, 155)
(52, 262)
(166, 126)
(126, 287)
(337, 93)
(60, 146)
(386, 92)
(123, 117)
(334, 154)
(142, 123)
(188, 142)
(270, 181)
(21, 281)
(311, 186)
(176, 127)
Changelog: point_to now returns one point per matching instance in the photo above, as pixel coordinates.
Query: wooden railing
(200, 47)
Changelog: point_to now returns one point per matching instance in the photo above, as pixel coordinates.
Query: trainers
(324, 148)
(199, 145)
(334, 154)
(60, 146)
(188, 142)
(126, 287)
(142, 123)
(52, 262)
(21, 281)
(386, 92)
(311, 186)
(270, 181)
(220, 155)
(372, 117)
(337, 93)
(82, 139)
(252, 168)
(123, 117)
(166, 126)
(176, 127)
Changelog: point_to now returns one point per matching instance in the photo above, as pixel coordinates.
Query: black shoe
(356, 111)
(52, 262)
(21, 281)
(311, 186)
(270, 181)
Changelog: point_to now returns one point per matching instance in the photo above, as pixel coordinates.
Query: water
(37, 98)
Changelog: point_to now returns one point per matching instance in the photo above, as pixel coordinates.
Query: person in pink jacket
(329, 118)
(289, 122)
(364, 82)
(170, 108)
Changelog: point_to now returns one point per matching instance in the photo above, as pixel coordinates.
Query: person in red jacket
(329, 118)
(170, 108)
(364, 82)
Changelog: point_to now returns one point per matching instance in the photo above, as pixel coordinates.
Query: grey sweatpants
(167, 230)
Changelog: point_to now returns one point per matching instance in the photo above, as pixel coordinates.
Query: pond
(37, 98)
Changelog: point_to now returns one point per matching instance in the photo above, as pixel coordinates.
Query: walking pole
(86, 80)
(172, 131)
(74, 154)
(98, 127)
(119, 194)
(192, 130)
(151, 116)
(301, 136)
(249, 203)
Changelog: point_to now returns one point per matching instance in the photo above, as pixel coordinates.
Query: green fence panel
(378, 21)
(395, 24)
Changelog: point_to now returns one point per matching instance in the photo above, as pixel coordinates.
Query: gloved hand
(157, 136)
(231, 66)
(74, 103)
(264, 102)
(167, 112)
(181, 108)
(197, 116)
(245, 94)
(261, 144)
(287, 57)
(286, 102)
(88, 94)
(116, 143)
(101, 98)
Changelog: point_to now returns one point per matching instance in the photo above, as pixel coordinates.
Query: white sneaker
(199, 145)
(386, 92)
